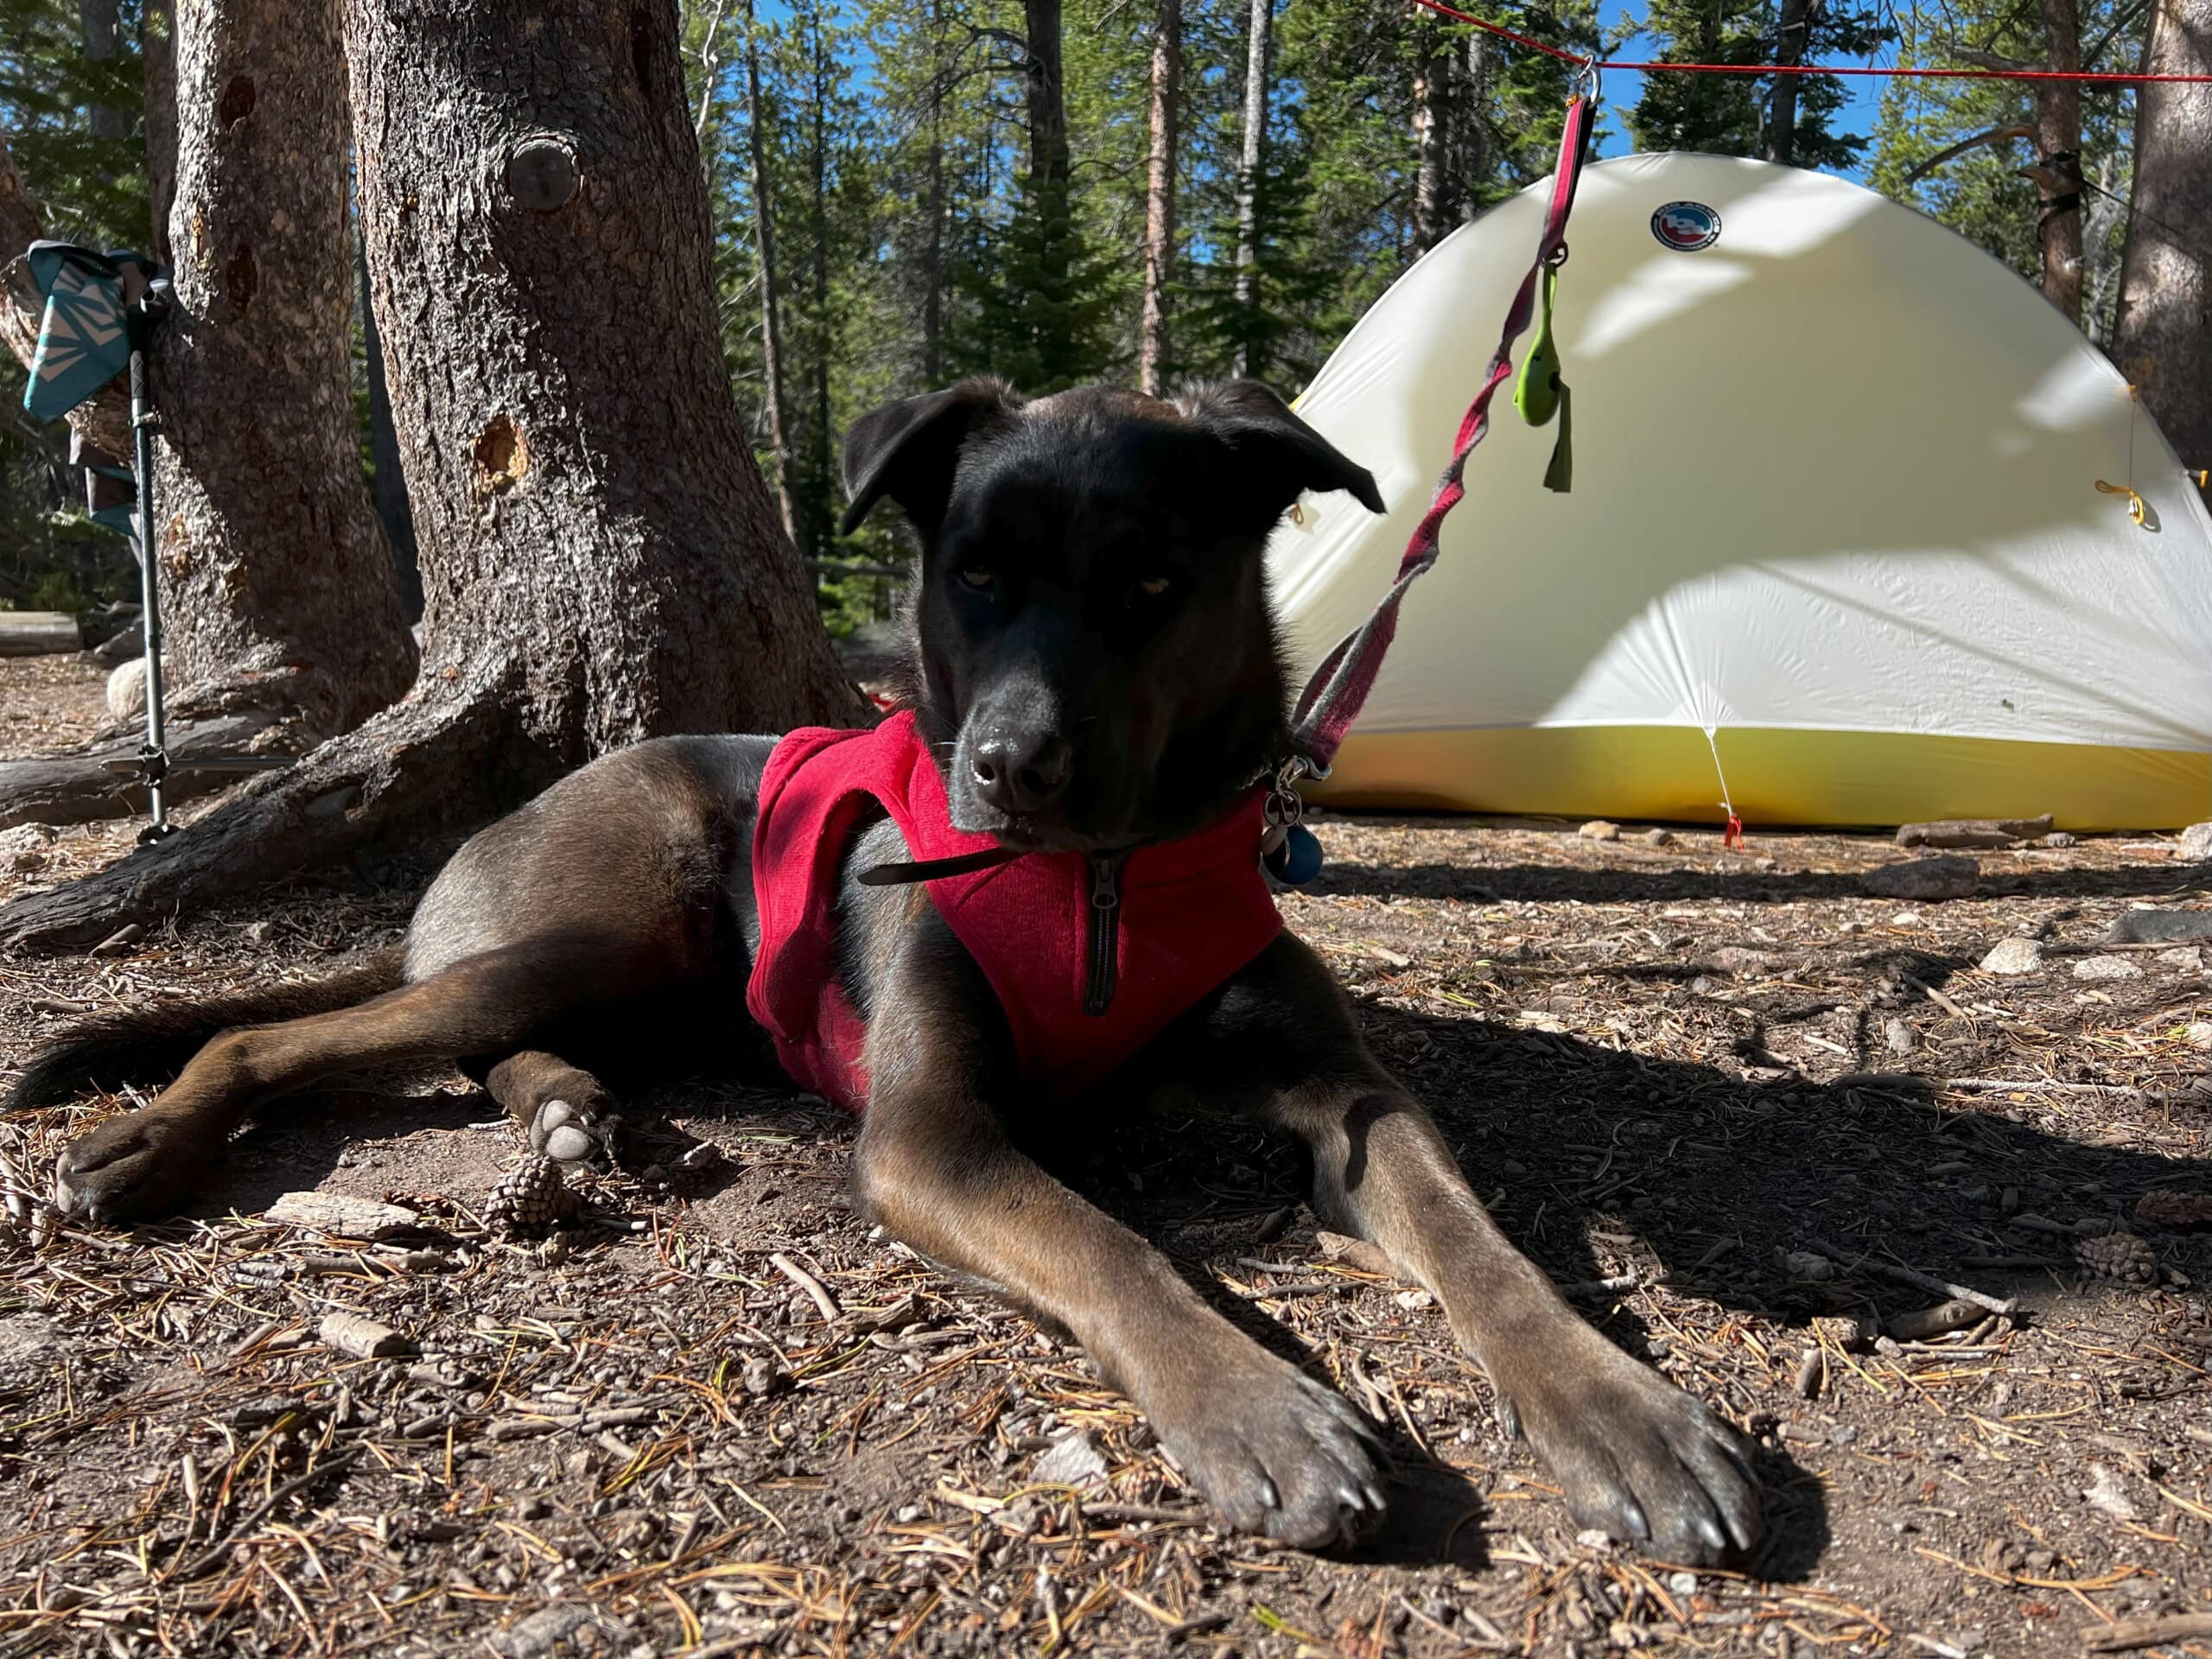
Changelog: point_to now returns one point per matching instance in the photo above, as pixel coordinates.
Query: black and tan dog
(1095, 671)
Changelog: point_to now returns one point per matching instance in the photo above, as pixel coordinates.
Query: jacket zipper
(1105, 931)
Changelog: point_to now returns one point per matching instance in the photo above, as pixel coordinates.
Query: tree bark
(97, 24)
(1048, 149)
(600, 562)
(933, 238)
(157, 59)
(1432, 137)
(1796, 22)
(387, 473)
(2058, 175)
(816, 522)
(280, 590)
(1257, 43)
(2165, 330)
(1471, 126)
(1159, 197)
(764, 251)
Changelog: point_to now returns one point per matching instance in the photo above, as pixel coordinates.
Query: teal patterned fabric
(83, 341)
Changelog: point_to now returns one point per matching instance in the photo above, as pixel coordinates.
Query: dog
(1096, 685)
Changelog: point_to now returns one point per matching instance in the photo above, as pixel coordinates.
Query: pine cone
(2122, 1257)
(530, 1198)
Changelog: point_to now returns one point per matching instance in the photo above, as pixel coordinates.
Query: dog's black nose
(1021, 772)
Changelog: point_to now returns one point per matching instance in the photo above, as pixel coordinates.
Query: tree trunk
(764, 249)
(1789, 51)
(157, 59)
(1432, 137)
(1256, 48)
(1048, 152)
(387, 474)
(1159, 196)
(599, 561)
(2058, 176)
(933, 238)
(97, 24)
(1472, 128)
(280, 592)
(817, 523)
(2164, 329)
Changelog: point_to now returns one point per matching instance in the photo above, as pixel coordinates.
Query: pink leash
(1334, 695)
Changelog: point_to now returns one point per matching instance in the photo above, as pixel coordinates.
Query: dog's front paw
(581, 1131)
(1638, 1459)
(1274, 1450)
(143, 1163)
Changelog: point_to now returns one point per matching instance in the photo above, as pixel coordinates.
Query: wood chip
(349, 1333)
(2129, 1634)
(342, 1217)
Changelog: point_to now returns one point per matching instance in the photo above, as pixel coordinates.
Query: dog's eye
(1154, 586)
(976, 579)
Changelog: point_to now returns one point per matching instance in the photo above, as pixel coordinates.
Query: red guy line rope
(2092, 77)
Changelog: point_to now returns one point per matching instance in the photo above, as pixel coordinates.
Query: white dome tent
(1835, 528)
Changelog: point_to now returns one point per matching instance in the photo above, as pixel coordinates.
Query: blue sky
(1622, 89)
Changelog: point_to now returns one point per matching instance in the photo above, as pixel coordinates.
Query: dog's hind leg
(568, 1114)
(145, 1163)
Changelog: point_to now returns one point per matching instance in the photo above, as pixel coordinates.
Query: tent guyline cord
(1581, 60)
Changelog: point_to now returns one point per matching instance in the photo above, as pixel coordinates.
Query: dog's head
(1096, 663)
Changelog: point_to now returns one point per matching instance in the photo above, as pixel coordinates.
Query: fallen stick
(2132, 1633)
(1914, 1277)
(813, 1286)
(1973, 832)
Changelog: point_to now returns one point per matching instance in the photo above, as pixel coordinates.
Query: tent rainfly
(1835, 549)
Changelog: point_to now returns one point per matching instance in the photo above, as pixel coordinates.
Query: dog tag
(1298, 859)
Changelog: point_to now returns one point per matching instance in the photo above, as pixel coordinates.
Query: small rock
(1414, 1300)
(1905, 919)
(1809, 1265)
(1600, 830)
(1072, 1460)
(1850, 930)
(2107, 968)
(1682, 1584)
(2189, 958)
(2199, 1033)
(1900, 1037)
(1947, 877)
(1659, 837)
(2013, 956)
(2106, 1493)
(2060, 838)
(22, 849)
(2197, 841)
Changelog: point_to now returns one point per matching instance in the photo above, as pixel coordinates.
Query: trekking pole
(153, 758)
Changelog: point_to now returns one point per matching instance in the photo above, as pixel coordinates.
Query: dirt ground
(1727, 1098)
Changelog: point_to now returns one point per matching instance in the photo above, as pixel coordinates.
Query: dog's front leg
(1635, 1456)
(1275, 1451)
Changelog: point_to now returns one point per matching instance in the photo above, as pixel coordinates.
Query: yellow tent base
(1775, 777)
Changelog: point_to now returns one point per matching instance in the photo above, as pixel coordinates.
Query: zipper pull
(1105, 931)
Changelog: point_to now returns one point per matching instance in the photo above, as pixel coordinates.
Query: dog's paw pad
(572, 1135)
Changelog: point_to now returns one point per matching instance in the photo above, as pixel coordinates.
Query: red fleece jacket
(1190, 913)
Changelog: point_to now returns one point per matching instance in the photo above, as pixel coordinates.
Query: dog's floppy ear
(908, 450)
(1281, 456)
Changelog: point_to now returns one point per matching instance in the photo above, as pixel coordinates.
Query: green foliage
(1982, 193)
(1728, 114)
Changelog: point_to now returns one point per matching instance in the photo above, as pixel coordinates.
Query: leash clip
(1291, 852)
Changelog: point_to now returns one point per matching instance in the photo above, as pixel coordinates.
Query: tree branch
(1995, 135)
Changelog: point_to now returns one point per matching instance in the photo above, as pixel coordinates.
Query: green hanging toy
(1540, 393)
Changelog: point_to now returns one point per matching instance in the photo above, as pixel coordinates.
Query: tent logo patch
(1686, 227)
